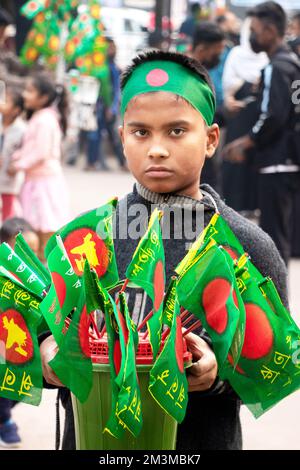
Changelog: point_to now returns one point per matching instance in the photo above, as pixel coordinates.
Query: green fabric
(147, 270)
(163, 75)
(23, 250)
(72, 364)
(168, 384)
(206, 289)
(16, 269)
(90, 236)
(64, 292)
(267, 370)
(20, 362)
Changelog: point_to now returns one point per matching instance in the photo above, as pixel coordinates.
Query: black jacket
(274, 133)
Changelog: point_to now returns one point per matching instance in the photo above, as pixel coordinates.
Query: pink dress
(43, 196)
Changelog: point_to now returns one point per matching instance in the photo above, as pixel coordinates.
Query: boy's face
(165, 143)
(8, 108)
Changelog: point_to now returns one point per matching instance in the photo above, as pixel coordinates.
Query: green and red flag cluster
(21, 376)
(168, 383)
(90, 237)
(267, 370)
(147, 270)
(72, 363)
(207, 288)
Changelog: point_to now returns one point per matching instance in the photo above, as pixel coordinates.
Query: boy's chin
(160, 187)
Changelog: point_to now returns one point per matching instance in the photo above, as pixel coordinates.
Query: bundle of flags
(253, 334)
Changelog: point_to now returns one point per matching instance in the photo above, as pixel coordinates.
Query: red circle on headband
(157, 77)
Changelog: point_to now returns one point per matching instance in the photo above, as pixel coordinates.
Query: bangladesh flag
(168, 383)
(267, 370)
(23, 250)
(117, 340)
(20, 272)
(64, 292)
(72, 364)
(90, 236)
(147, 270)
(32, 8)
(129, 398)
(20, 362)
(206, 289)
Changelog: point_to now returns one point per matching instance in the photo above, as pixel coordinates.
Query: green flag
(19, 272)
(32, 8)
(72, 364)
(267, 370)
(168, 383)
(20, 362)
(206, 289)
(64, 292)
(90, 237)
(116, 351)
(147, 270)
(23, 250)
(129, 398)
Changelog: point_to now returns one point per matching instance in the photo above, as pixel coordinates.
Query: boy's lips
(156, 171)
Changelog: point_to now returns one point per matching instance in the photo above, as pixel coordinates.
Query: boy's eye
(177, 132)
(140, 132)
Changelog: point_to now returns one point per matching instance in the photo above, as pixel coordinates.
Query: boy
(168, 108)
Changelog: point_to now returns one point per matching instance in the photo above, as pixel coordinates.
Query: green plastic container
(159, 429)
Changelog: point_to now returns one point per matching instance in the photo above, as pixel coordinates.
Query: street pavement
(279, 428)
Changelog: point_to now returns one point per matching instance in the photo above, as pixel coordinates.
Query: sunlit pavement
(278, 429)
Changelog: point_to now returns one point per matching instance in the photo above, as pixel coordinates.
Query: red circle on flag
(16, 345)
(85, 243)
(159, 284)
(259, 338)
(83, 332)
(179, 345)
(233, 253)
(117, 356)
(157, 77)
(214, 298)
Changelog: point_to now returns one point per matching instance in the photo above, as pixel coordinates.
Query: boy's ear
(212, 142)
(121, 134)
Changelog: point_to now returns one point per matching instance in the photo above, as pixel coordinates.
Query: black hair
(207, 33)
(195, 7)
(181, 59)
(296, 17)
(11, 228)
(56, 93)
(270, 13)
(16, 94)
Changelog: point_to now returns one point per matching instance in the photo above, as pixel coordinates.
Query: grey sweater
(212, 420)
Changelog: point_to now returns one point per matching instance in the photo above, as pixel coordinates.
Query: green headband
(162, 75)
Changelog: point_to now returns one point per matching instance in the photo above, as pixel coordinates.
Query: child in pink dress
(43, 196)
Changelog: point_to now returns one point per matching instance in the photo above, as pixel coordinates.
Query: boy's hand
(203, 373)
(48, 349)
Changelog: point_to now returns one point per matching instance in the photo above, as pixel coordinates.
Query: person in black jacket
(166, 136)
(276, 133)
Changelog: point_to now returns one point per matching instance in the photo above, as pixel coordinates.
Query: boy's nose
(158, 151)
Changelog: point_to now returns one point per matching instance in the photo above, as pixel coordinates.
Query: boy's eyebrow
(168, 124)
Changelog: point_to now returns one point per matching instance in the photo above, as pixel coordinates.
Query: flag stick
(95, 325)
(185, 322)
(122, 290)
(192, 327)
(145, 321)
